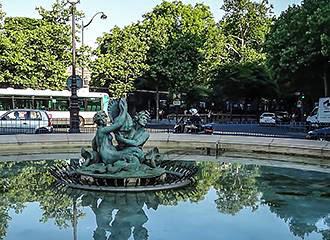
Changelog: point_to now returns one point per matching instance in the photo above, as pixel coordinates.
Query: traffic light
(302, 97)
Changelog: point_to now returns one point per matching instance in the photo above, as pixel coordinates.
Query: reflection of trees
(236, 188)
(4, 216)
(298, 198)
(205, 178)
(235, 185)
(24, 182)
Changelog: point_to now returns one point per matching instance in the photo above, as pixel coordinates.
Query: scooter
(187, 127)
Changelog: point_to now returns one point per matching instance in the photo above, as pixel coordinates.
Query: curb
(214, 144)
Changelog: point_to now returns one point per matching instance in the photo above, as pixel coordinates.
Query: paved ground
(248, 129)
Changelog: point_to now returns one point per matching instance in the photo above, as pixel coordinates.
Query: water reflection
(120, 215)
(300, 198)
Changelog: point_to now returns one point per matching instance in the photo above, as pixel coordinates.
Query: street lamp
(74, 104)
(103, 16)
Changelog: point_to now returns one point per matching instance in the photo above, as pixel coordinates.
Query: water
(230, 201)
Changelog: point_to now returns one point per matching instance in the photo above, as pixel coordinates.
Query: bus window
(42, 103)
(60, 104)
(81, 103)
(6, 103)
(23, 102)
(93, 105)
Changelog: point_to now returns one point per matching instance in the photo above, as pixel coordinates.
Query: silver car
(21, 121)
(267, 118)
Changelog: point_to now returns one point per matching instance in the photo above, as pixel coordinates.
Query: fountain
(125, 166)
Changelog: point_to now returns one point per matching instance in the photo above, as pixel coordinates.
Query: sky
(119, 12)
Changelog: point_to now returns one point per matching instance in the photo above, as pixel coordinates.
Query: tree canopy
(298, 48)
(245, 25)
(34, 53)
(120, 60)
(184, 44)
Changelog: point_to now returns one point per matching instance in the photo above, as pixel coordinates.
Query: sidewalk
(212, 144)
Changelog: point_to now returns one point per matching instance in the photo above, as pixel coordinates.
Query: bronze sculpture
(130, 135)
(123, 167)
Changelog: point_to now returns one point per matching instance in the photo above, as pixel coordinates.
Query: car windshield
(268, 115)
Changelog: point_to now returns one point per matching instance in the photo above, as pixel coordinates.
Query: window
(35, 115)
(23, 102)
(60, 104)
(6, 103)
(93, 105)
(17, 115)
(42, 103)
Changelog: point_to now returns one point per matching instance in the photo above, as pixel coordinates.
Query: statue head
(100, 118)
(142, 118)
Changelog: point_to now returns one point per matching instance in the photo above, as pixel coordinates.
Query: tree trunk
(157, 103)
(325, 81)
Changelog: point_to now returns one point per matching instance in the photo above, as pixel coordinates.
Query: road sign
(176, 103)
(78, 79)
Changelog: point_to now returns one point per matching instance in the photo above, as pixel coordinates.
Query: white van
(321, 114)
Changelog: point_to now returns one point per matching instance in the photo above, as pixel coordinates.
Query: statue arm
(138, 141)
(118, 121)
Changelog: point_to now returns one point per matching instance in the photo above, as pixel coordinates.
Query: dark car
(319, 134)
(282, 117)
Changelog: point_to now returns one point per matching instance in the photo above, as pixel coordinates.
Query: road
(253, 129)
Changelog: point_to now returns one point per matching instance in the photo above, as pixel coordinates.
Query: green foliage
(58, 14)
(246, 80)
(2, 14)
(34, 53)
(298, 47)
(120, 60)
(184, 44)
(25, 182)
(237, 188)
(245, 25)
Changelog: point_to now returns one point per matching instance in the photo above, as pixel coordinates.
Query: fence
(218, 117)
(234, 127)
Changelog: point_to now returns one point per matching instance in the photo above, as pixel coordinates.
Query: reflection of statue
(129, 218)
(131, 136)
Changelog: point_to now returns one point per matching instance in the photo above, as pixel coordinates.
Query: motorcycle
(189, 127)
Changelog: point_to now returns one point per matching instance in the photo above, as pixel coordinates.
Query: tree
(184, 46)
(120, 60)
(34, 53)
(298, 48)
(243, 81)
(2, 15)
(245, 25)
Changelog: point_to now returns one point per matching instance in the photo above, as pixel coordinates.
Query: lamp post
(74, 104)
(103, 16)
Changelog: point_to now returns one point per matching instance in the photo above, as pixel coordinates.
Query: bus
(56, 103)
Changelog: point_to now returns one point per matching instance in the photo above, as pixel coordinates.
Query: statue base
(168, 175)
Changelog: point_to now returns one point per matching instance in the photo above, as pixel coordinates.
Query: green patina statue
(127, 158)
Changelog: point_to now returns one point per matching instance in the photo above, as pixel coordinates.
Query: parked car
(282, 117)
(319, 134)
(25, 121)
(267, 118)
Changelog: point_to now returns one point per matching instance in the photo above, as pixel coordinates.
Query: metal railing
(250, 127)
